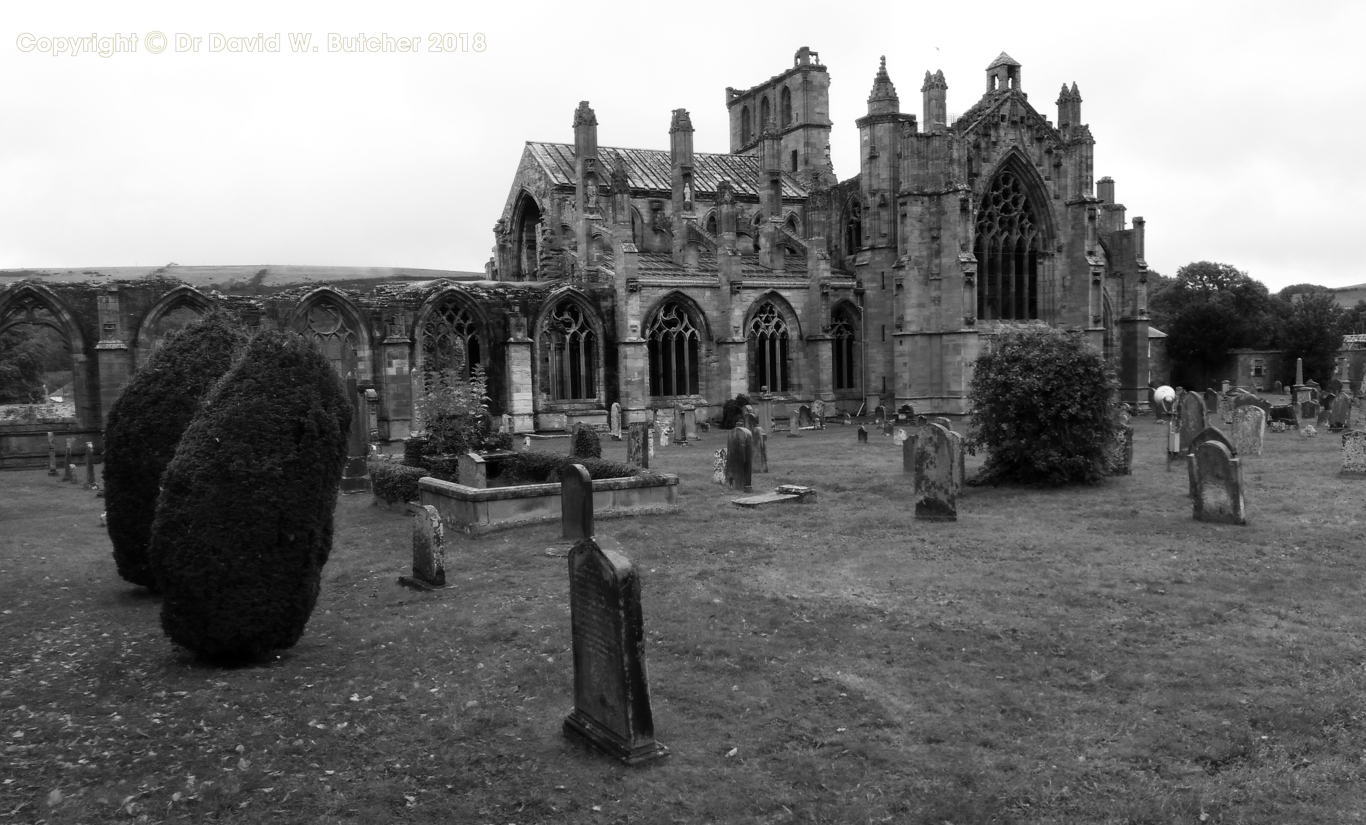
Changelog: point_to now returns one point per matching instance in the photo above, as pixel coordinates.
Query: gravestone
(472, 470)
(429, 551)
(1226, 408)
(1253, 401)
(505, 423)
(1340, 417)
(637, 445)
(941, 421)
(718, 468)
(818, 414)
(1219, 485)
(611, 691)
(1191, 417)
(750, 421)
(1278, 387)
(1289, 413)
(650, 443)
(738, 467)
(936, 479)
(1211, 401)
(804, 417)
(1213, 433)
(51, 455)
(765, 410)
(685, 423)
(1325, 414)
(1309, 410)
(1354, 454)
(1124, 452)
(846, 419)
(905, 412)
(887, 426)
(614, 421)
(862, 434)
(1249, 430)
(758, 451)
(663, 434)
(69, 475)
(574, 439)
(576, 503)
(90, 466)
(880, 414)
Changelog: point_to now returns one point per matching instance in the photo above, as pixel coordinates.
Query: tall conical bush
(145, 425)
(244, 522)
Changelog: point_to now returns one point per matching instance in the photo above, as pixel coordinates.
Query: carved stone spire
(883, 100)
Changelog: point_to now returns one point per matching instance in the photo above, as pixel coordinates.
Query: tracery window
(450, 341)
(768, 350)
(675, 346)
(326, 326)
(569, 353)
(843, 328)
(1007, 250)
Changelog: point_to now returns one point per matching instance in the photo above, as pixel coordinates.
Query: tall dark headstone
(758, 450)
(576, 503)
(1211, 400)
(936, 478)
(611, 690)
(1192, 420)
(1219, 485)
(1340, 414)
(68, 475)
(738, 468)
(637, 445)
(862, 434)
(429, 551)
(90, 466)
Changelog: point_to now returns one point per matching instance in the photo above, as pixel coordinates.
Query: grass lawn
(1084, 655)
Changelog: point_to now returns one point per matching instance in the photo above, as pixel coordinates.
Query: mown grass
(1082, 655)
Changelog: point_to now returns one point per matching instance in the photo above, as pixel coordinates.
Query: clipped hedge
(244, 522)
(395, 482)
(536, 467)
(145, 424)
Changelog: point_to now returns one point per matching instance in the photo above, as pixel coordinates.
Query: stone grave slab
(1354, 454)
(782, 494)
(614, 421)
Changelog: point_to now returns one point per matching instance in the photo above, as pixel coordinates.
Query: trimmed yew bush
(145, 424)
(244, 522)
(1042, 410)
(587, 443)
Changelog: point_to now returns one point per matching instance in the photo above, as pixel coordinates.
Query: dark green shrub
(732, 410)
(146, 422)
(444, 467)
(603, 468)
(395, 482)
(587, 444)
(454, 412)
(496, 441)
(414, 446)
(244, 522)
(535, 467)
(1042, 409)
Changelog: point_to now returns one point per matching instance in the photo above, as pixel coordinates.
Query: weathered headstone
(1341, 412)
(1252, 400)
(637, 445)
(905, 412)
(685, 423)
(473, 471)
(611, 691)
(51, 455)
(429, 551)
(1211, 400)
(880, 414)
(1309, 410)
(90, 466)
(1191, 416)
(862, 434)
(576, 503)
(1124, 451)
(888, 427)
(1249, 429)
(1289, 413)
(718, 468)
(1213, 433)
(936, 484)
(663, 434)
(505, 423)
(1354, 453)
(899, 437)
(1219, 485)
(804, 417)
(764, 406)
(614, 421)
(738, 467)
(942, 421)
(758, 451)
(1226, 408)
(650, 444)
(1278, 387)
(69, 475)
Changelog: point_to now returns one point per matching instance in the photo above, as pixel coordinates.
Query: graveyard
(1080, 654)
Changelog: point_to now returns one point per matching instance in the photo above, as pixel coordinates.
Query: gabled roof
(1003, 60)
(652, 169)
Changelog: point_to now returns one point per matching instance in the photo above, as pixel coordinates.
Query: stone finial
(1065, 96)
(725, 192)
(934, 81)
(583, 116)
(681, 122)
(621, 176)
(1076, 95)
(883, 97)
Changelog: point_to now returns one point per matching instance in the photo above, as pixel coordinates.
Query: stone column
(112, 356)
(520, 402)
(396, 417)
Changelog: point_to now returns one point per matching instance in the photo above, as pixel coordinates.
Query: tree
(1210, 309)
(1313, 331)
(21, 366)
(145, 424)
(1041, 407)
(244, 521)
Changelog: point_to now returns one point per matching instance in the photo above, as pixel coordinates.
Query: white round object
(1163, 394)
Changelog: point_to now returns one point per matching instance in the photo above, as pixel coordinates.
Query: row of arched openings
(748, 129)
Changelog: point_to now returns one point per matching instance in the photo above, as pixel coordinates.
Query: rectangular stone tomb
(472, 510)
(782, 494)
(611, 691)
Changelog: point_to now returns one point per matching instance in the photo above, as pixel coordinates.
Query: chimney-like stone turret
(934, 93)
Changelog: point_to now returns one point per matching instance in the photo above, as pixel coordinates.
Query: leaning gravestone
(472, 471)
(614, 421)
(611, 691)
(738, 468)
(936, 478)
(1218, 485)
(637, 445)
(429, 551)
(1354, 454)
(1213, 433)
(576, 503)
(1192, 420)
(862, 434)
(1249, 430)
(1341, 412)
(758, 451)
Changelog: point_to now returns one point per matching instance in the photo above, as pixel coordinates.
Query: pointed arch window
(569, 353)
(325, 325)
(450, 342)
(768, 349)
(791, 225)
(843, 330)
(764, 114)
(1007, 250)
(745, 131)
(786, 104)
(527, 240)
(711, 223)
(853, 227)
(675, 346)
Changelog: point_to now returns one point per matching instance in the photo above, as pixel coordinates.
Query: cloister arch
(569, 341)
(677, 342)
(170, 312)
(329, 318)
(28, 303)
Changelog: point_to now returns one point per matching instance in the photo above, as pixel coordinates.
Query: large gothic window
(764, 114)
(843, 327)
(325, 325)
(569, 353)
(853, 228)
(527, 241)
(675, 345)
(450, 342)
(786, 102)
(745, 129)
(768, 350)
(1007, 250)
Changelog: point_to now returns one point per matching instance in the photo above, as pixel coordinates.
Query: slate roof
(650, 169)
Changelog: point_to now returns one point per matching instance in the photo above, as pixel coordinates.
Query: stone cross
(1249, 429)
(429, 551)
(934, 455)
(1354, 453)
(637, 446)
(51, 456)
(1218, 485)
(576, 503)
(68, 475)
(738, 467)
(611, 693)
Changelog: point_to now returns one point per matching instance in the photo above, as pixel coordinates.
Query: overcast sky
(1232, 128)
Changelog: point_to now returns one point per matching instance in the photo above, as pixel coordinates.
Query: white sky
(1231, 127)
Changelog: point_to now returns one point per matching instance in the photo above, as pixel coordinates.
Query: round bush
(244, 522)
(1042, 409)
(146, 422)
(732, 410)
(587, 443)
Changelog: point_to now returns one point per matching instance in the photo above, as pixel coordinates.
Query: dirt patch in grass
(1078, 655)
